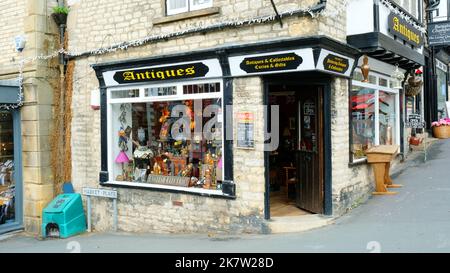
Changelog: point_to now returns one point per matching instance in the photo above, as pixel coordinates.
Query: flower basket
(441, 131)
(414, 86)
(411, 91)
(59, 18)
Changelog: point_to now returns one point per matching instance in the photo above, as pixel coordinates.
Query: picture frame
(140, 175)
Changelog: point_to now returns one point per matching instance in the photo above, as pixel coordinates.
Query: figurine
(193, 182)
(156, 168)
(209, 159)
(187, 170)
(165, 113)
(208, 180)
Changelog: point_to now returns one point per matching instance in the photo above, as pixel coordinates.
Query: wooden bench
(380, 158)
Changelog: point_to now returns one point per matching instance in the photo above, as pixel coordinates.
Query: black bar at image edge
(226, 262)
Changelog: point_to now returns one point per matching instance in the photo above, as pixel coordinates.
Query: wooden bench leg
(388, 179)
(379, 171)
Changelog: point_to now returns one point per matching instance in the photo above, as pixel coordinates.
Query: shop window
(173, 142)
(201, 88)
(160, 91)
(387, 118)
(363, 120)
(383, 82)
(374, 117)
(411, 6)
(7, 183)
(180, 6)
(122, 94)
(372, 79)
(441, 92)
(357, 76)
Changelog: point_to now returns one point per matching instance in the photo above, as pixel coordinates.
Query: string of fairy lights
(236, 22)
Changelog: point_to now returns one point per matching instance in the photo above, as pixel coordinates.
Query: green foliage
(63, 10)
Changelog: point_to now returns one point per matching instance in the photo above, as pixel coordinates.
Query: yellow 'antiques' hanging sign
(404, 30)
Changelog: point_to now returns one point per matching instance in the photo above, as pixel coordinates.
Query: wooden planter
(442, 131)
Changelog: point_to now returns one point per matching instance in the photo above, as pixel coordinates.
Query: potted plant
(441, 128)
(59, 15)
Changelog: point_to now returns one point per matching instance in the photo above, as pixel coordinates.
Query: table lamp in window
(122, 158)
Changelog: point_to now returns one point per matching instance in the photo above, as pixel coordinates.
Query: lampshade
(122, 158)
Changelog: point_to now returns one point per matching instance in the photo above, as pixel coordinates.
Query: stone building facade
(146, 210)
(314, 65)
(32, 170)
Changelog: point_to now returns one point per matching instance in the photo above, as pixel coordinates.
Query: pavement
(417, 219)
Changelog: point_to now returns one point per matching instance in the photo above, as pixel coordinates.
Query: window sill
(167, 188)
(186, 15)
(358, 162)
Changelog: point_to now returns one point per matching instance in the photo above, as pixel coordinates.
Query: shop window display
(363, 120)
(7, 183)
(169, 142)
(374, 115)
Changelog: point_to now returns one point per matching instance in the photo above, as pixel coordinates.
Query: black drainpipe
(62, 28)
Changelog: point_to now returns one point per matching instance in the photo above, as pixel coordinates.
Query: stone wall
(31, 18)
(12, 22)
(350, 184)
(145, 210)
(122, 21)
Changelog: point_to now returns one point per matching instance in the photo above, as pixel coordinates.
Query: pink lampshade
(122, 158)
(219, 163)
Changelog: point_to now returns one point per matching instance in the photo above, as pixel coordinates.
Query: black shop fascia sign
(271, 63)
(400, 28)
(181, 71)
(294, 60)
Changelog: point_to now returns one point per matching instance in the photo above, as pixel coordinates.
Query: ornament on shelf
(156, 168)
(208, 179)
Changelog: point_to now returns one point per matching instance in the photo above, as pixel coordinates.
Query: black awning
(384, 48)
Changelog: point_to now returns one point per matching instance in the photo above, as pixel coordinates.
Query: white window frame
(190, 6)
(377, 88)
(193, 7)
(413, 9)
(172, 11)
(143, 99)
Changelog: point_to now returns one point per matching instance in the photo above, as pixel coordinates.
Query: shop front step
(297, 223)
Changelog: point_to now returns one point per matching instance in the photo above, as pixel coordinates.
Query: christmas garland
(314, 12)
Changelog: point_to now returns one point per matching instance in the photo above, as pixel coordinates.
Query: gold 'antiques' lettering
(405, 30)
(158, 74)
